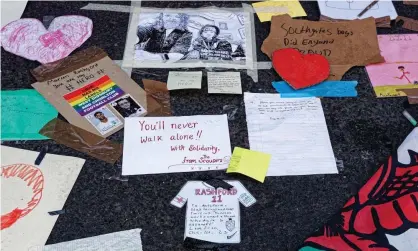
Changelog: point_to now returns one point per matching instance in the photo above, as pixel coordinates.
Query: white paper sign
(175, 144)
(29, 192)
(213, 214)
(341, 9)
(129, 240)
(224, 82)
(184, 80)
(293, 131)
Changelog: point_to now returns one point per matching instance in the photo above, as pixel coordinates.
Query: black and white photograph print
(127, 107)
(195, 38)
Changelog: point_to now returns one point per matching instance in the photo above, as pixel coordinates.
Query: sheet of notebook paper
(293, 131)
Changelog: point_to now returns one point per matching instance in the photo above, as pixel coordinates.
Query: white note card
(293, 131)
(224, 82)
(184, 80)
(175, 144)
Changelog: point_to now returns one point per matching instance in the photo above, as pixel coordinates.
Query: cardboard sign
(213, 213)
(91, 91)
(344, 44)
(189, 143)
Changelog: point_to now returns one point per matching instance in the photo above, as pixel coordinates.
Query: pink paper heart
(28, 37)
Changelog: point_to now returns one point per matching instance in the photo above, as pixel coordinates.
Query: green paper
(23, 114)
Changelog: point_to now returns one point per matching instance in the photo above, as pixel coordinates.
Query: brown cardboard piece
(73, 74)
(158, 98)
(408, 23)
(344, 44)
(410, 2)
(381, 22)
(82, 140)
(412, 95)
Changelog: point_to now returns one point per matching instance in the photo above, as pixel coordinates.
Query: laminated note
(293, 131)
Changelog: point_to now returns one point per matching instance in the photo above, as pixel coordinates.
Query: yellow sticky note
(278, 7)
(250, 163)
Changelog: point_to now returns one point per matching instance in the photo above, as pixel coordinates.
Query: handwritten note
(250, 163)
(345, 44)
(350, 9)
(224, 82)
(184, 80)
(293, 131)
(266, 9)
(176, 144)
(213, 213)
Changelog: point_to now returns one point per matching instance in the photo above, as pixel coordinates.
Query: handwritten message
(184, 80)
(176, 144)
(224, 82)
(344, 44)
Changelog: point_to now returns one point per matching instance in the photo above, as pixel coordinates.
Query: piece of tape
(324, 89)
(41, 156)
(216, 183)
(57, 212)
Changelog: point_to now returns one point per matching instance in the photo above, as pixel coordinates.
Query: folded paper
(265, 10)
(344, 44)
(82, 140)
(28, 37)
(23, 113)
(250, 163)
(91, 91)
(324, 89)
(213, 214)
(188, 143)
(29, 192)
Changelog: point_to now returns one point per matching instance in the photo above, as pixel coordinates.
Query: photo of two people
(171, 37)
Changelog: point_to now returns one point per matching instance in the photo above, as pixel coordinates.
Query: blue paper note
(324, 89)
(23, 114)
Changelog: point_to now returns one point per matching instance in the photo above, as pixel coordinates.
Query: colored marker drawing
(33, 178)
(386, 78)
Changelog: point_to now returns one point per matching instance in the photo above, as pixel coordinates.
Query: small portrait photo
(126, 106)
(103, 120)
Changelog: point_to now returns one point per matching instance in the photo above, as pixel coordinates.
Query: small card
(184, 80)
(224, 82)
(250, 163)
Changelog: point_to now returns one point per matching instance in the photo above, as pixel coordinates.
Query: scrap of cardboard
(408, 23)
(213, 214)
(299, 70)
(410, 2)
(344, 44)
(28, 37)
(91, 91)
(412, 95)
(184, 80)
(250, 163)
(82, 140)
(129, 240)
(23, 114)
(29, 192)
(188, 143)
(349, 10)
(264, 9)
(381, 22)
(224, 82)
(324, 89)
(158, 98)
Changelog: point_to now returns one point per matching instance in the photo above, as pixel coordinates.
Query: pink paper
(28, 37)
(391, 74)
(399, 48)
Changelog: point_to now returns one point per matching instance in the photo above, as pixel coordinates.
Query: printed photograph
(172, 37)
(126, 106)
(103, 120)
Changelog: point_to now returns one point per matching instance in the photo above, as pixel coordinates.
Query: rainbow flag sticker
(94, 95)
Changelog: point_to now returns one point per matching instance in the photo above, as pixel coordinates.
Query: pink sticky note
(399, 48)
(28, 37)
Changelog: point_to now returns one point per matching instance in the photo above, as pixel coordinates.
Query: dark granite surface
(363, 131)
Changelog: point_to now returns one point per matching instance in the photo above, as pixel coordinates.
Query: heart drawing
(298, 70)
(28, 37)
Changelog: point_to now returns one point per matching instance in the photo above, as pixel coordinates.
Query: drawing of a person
(404, 75)
(209, 46)
(167, 39)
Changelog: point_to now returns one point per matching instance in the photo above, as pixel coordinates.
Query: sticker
(126, 106)
(103, 120)
(94, 95)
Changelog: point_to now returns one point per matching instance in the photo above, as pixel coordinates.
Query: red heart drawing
(28, 37)
(299, 70)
